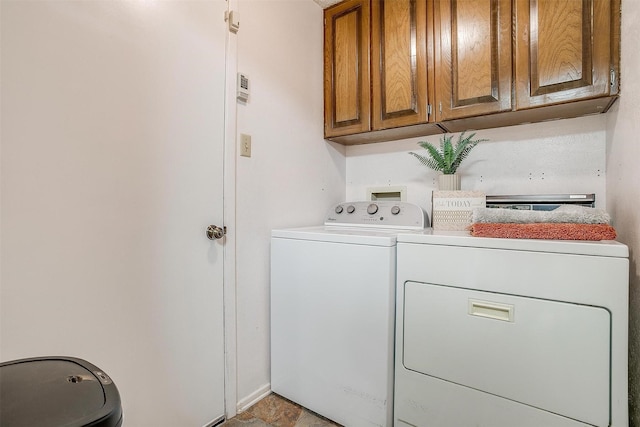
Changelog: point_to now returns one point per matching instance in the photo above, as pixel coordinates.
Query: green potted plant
(447, 158)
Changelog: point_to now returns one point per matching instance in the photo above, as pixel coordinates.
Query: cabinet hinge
(613, 79)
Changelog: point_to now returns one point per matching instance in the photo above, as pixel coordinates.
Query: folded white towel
(571, 214)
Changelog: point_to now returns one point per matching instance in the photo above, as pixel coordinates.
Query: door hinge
(232, 18)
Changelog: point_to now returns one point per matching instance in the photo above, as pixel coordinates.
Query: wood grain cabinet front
(398, 69)
(379, 82)
(563, 51)
(347, 88)
(400, 86)
(473, 57)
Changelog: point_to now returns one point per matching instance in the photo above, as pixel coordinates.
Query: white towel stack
(566, 214)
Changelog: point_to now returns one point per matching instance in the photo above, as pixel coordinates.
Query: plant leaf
(427, 161)
(448, 154)
(448, 158)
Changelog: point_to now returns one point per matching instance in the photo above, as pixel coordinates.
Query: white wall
(562, 156)
(623, 183)
(293, 175)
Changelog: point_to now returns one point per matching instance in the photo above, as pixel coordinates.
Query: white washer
(333, 309)
(510, 332)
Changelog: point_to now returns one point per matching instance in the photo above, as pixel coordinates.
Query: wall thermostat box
(242, 87)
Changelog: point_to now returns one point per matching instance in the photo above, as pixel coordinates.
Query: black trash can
(57, 391)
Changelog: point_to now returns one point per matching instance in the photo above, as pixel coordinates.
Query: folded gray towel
(563, 214)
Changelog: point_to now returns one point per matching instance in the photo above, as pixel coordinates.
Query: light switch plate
(245, 145)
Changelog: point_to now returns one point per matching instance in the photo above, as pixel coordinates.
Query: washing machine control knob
(372, 208)
(339, 209)
(351, 209)
(395, 210)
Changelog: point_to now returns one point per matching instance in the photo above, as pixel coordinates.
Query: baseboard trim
(253, 398)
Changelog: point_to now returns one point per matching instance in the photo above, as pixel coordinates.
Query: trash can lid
(57, 391)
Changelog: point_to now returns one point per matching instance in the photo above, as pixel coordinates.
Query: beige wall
(293, 175)
(623, 183)
(561, 156)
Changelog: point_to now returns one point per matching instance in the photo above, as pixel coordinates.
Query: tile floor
(276, 411)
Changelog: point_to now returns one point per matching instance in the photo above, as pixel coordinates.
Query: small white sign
(452, 209)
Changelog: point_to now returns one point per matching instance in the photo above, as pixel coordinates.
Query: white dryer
(333, 311)
(509, 332)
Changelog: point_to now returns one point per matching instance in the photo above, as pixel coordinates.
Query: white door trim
(229, 195)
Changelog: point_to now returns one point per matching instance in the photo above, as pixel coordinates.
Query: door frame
(229, 219)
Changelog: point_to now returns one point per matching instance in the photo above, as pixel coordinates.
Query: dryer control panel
(383, 214)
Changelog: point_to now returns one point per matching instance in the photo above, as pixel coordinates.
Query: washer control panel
(384, 214)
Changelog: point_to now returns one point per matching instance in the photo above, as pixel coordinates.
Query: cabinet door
(399, 62)
(347, 98)
(562, 51)
(473, 58)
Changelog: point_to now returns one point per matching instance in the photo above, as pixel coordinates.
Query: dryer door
(550, 355)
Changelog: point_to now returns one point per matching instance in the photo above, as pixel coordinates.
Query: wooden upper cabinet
(400, 88)
(562, 51)
(347, 100)
(396, 69)
(473, 57)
